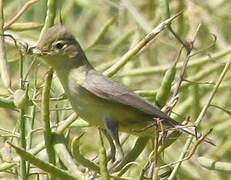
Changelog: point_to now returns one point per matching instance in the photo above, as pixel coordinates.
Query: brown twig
(21, 82)
(20, 13)
(192, 152)
(208, 47)
(145, 128)
(195, 82)
(24, 41)
(221, 108)
(14, 42)
(183, 70)
(178, 38)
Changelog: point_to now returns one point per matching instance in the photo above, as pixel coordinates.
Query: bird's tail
(169, 122)
(193, 132)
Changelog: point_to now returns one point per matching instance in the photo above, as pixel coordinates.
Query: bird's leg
(111, 155)
(112, 128)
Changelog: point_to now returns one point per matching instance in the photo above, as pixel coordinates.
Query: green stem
(134, 153)
(102, 32)
(7, 103)
(80, 158)
(215, 165)
(22, 121)
(6, 166)
(71, 119)
(50, 16)
(65, 157)
(46, 118)
(164, 91)
(193, 63)
(47, 167)
(103, 159)
(38, 148)
(29, 134)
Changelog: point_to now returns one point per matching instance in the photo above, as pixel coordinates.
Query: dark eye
(59, 45)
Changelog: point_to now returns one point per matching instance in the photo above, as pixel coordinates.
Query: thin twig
(4, 68)
(206, 48)
(221, 108)
(20, 13)
(139, 46)
(192, 152)
(184, 67)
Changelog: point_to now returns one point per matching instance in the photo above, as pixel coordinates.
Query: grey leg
(112, 128)
(112, 146)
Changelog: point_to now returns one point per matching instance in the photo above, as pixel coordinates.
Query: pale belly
(96, 110)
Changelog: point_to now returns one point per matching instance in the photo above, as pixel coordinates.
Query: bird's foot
(119, 159)
(115, 164)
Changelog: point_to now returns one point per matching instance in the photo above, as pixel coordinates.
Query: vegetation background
(107, 30)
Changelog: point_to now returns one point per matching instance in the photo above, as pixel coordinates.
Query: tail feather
(179, 127)
(194, 133)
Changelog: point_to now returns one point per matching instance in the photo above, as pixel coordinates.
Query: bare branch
(20, 13)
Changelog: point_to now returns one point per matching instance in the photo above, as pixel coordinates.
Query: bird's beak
(30, 50)
(36, 51)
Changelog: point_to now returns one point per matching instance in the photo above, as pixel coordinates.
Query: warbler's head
(58, 45)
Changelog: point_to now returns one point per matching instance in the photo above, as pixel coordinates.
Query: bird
(96, 98)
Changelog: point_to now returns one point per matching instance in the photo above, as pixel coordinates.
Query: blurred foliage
(107, 29)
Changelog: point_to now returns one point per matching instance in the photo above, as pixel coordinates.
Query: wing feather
(104, 87)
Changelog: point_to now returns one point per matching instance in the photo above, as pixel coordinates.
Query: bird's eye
(59, 45)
